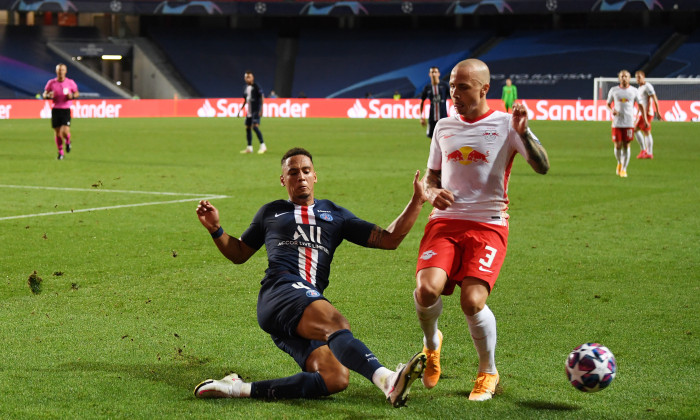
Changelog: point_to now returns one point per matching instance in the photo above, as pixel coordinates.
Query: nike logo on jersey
(484, 269)
(447, 136)
(279, 214)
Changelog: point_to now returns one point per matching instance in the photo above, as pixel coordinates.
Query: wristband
(218, 233)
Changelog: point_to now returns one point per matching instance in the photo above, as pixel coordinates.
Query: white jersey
(624, 99)
(475, 160)
(644, 94)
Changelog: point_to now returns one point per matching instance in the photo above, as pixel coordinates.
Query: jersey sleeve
(355, 230)
(47, 88)
(515, 93)
(435, 156)
(74, 86)
(424, 94)
(254, 236)
(610, 96)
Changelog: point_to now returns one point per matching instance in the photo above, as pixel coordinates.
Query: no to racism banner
(540, 109)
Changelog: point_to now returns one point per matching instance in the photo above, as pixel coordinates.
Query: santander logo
(676, 113)
(46, 110)
(357, 110)
(206, 110)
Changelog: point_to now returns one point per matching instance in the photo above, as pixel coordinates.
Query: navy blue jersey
(438, 95)
(301, 240)
(253, 96)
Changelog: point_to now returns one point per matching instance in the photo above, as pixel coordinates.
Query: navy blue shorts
(281, 303)
(252, 120)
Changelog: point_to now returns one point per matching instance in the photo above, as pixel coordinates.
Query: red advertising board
(539, 109)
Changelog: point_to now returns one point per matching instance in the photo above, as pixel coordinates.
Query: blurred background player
(509, 95)
(621, 101)
(646, 94)
(252, 101)
(437, 92)
(62, 91)
(465, 240)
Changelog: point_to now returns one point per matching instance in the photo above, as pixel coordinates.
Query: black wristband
(218, 233)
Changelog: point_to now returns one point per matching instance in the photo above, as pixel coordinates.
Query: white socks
(649, 141)
(482, 327)
(639, 135)
(626, 152)
(428, 317)
(381, 377)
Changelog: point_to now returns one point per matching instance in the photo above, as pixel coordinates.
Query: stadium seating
(562, 64)
(26, 63)
(213, 60)
(353, 63)
(683, 62)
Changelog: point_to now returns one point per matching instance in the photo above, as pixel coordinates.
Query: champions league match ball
(590, 367)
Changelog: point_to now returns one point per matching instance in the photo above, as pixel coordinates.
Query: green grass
(145, 306)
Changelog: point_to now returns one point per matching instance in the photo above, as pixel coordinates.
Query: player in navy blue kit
(300, 235)
(252, 102)
(437, 92)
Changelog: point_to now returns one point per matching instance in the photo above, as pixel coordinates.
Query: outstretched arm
(232, 248)
(536, 155)
(391, 237)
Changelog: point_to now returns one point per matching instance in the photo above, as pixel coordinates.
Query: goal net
(667, 89)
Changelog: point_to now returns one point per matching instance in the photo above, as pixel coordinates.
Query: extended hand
(418, 189)
(519, 118)
(208, 215)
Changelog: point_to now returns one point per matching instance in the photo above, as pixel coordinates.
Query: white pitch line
(121, 206)
(92, 190)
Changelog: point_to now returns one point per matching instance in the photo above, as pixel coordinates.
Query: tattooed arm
(536, 155)
(391, 237)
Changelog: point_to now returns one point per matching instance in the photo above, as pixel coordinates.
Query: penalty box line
(120, 206)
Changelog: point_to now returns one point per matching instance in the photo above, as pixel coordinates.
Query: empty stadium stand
(26, 62)
(683, 62)
(562, 64)
(353, 63)
(213, 60)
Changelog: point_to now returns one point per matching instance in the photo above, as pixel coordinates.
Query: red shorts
(624, 135)
(642, 125)
(463, 248)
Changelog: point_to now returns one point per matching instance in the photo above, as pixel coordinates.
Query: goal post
(667, 89)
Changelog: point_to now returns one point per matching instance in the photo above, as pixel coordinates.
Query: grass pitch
(137, 305)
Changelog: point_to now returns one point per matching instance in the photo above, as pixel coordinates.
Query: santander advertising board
(538, 109)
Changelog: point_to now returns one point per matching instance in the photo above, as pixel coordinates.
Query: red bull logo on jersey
(466, 156)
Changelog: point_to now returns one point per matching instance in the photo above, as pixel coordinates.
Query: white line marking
(92, 189)
(121, 206)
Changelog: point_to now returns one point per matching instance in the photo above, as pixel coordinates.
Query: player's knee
(338, 322)
(472, 303)
(428, 290)
(336, 379)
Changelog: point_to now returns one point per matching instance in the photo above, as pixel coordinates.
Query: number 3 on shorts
(490, 255)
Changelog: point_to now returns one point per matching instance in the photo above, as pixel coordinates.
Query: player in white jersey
(465, 240)
(621, 100)
(642, 132)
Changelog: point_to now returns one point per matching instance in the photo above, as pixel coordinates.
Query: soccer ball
(590, 367)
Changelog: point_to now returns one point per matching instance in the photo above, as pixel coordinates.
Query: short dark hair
(297, 151)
